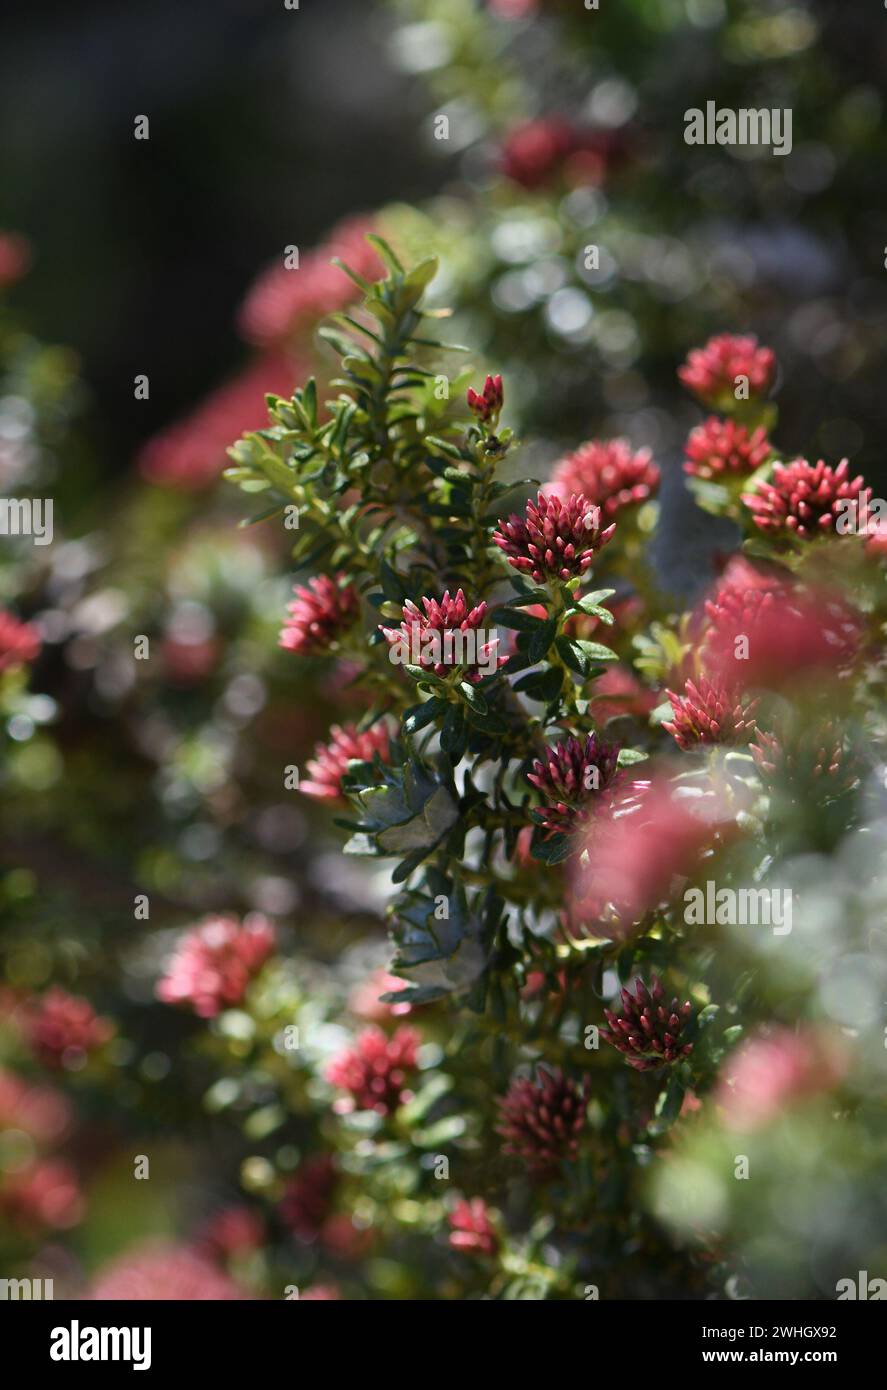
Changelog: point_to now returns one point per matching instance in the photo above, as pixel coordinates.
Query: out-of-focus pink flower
(231, 1232)
(617, 691)
(284, 303)
(487, 404)
(344, 1240)
(806, 500)
(769, 636)
(307, 1200)
(769, 1072)
(540, 151)
(708, 713)
(19, 642)
(431, 639)
(375, 1071)
(159, 1270)
(471, 1229)
(514, 9)
(609, 473)
(722, 448)
(533, 152)
(553, 539)
(191, 454)
(541, 1119)
(364, 1001)
(63, 1029)
(15, 258)
(189, 663)
(648, 1030)
(711, 371)
(320, 1293)
(320, 612)
(634, 855)
(214, 963)
(44, 1196)
(330, 762)
(522, 855)
(539, 983)
(575, 780)
(876, 537)
(39, 1111)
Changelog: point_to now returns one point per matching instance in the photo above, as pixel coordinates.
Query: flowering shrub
(571, 1023)
(628, 843)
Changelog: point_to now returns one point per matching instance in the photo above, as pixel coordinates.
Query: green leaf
(353, 275)
(433, 1090)
(473, 697)
(408, 808)
(628, 756)
(668, 1105)
(514, 618)
(542, 639)
(407, 866)
(420, 277)
(385, 252)
(488, 723)
(596, 651)
(309, 401)
(589, 603)
(526, 595)
(442, 942)
(574, 656)
(420, 716)
(443, 446)
(392, 584)
(453, 735)
(541, 685)
(582, 656)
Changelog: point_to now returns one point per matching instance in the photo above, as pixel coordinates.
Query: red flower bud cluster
(320, 613)
(711, 372)
(214, 963)
(486, 405)
(553, 539)
(723, 448)
(471, 1229)
(807, 500)
(648, 1031)
(330, 762)
(63, 1029)
(375, 1071)
(708, 713)
(573, 778)
(541, 1119)
(609, 473)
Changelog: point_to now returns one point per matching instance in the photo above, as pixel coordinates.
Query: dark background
(266, 125)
